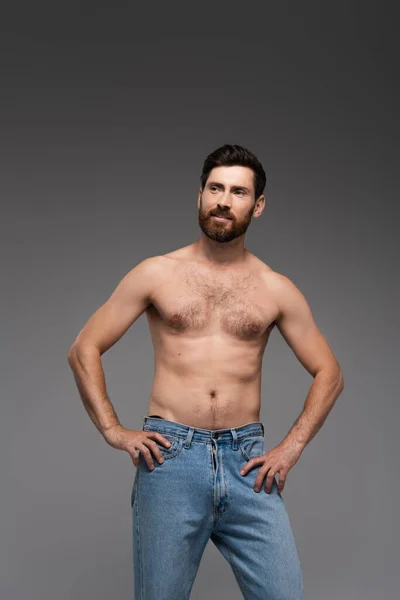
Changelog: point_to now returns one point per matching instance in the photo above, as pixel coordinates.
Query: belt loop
(189, 436)
(235, 439)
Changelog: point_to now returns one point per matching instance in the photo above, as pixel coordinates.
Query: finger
(160, 438)
(281, 483)
(147, 456)
(260, 478)
(135, 457)
(154, 449)
(164, 440)
(268, 483)
(250, 464)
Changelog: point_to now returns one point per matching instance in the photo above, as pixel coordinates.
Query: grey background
(106, 118)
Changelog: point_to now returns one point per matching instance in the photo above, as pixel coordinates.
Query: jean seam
(234, 568)
(139, 544)
(133, 493)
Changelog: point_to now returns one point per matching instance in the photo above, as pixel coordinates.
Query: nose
(224, 201)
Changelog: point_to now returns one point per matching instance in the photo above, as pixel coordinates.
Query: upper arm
(127, 302)
(297, 325)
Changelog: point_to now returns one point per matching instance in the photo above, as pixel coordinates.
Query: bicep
(297, 326)
(127, 302)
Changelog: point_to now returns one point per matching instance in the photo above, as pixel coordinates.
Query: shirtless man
(200, 454)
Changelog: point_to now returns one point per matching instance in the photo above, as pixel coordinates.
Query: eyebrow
(233, 187)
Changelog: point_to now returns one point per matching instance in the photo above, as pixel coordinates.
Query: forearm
(87, 368)
(321, 397)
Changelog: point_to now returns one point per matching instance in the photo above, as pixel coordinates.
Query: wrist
(294, 442)
(112, 433)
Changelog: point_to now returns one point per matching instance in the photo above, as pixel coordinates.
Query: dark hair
(233, 154)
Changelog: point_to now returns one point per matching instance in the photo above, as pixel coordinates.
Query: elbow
(79, 351)
(71, 355)
(340, 381)
(338, 377)
(334, 376)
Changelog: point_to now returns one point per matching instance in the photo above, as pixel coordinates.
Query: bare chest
(194, 301)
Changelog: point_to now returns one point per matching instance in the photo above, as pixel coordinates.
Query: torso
(209, 327)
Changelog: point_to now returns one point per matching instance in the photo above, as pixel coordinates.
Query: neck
(218, 253)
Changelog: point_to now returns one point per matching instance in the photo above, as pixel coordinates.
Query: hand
(134, 441)
(280, 459)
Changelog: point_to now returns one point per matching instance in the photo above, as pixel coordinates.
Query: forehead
(233, 175)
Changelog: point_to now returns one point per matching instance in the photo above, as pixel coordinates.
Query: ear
(260, 205)
(199, 196)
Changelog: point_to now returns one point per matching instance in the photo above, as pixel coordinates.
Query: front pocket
(174, 449)
(252, 447)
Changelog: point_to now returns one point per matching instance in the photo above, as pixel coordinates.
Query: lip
(221, 218)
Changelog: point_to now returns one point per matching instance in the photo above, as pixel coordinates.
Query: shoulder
(148, 270)
(283, 289)
(164, 264)
(277, 281)
(273, 279)
(148, 266)
(153, 263)
(158, 268)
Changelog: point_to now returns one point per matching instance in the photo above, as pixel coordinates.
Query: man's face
(229, 191)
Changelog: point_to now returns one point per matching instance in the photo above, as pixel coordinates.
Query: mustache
(225, 216)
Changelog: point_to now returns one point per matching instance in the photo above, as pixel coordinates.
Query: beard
(223, 231)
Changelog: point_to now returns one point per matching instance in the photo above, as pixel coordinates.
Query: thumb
(135, 457)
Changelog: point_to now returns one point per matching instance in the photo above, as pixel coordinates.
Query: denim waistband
(189, 433)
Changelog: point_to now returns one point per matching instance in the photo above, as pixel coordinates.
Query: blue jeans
(198, 494)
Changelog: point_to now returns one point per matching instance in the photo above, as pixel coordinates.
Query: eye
(240, 191)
